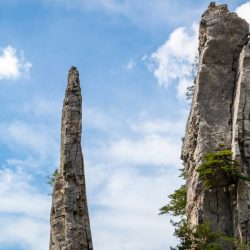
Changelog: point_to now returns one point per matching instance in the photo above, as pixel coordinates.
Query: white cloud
(25, 203)
(16, 195)
(122, 200)
(29, 162)
(24, 232)
(124, 197)
(130, 204)
(41, 107)
(122, 181)
(151, 150)
(159, 126)
(12, 66)
(173, 59)
(109, 5)
(107, 122)
(182, 87)
(97, 119)
(37, 138)
(243, 11)
(143, 141)
(130, 180)
(24, 212)
(152, 13)
(144, 57)
(131, 65)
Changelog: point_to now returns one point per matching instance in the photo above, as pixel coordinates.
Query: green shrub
(218, 168)
(177, 203)
(199, 238)
(52, 178)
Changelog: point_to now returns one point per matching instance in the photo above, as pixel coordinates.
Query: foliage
(237, 243)
(218, 166)
(183, 174)
(190, 91)
(52, 178)
(222, 145)
(183, 233)
(205, 238)
(177, 203)
(200, 237)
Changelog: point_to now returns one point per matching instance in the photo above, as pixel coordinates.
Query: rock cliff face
(220, 114)
(70, 227)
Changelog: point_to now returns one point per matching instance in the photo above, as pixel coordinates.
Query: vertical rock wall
(217, 117)
(70, 226)
(241, 143)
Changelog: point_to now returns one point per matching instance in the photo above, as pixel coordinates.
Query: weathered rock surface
(70, 226)
(220, 114)
(241, 143)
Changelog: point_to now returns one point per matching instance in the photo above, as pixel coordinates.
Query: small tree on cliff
(216, 166)
(52, 178)
(200, 237)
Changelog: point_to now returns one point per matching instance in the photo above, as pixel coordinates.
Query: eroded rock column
(70, 226)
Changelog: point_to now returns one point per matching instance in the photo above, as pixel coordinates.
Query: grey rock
(70, 226)
(241, 143)
(214, 116)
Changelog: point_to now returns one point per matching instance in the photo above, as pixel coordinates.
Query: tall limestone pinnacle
(70, 226)
(220, 115)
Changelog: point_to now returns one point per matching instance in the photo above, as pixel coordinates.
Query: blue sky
(134, 61)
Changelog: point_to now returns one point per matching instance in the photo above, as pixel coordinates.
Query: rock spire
(220, 115)
(70, 226)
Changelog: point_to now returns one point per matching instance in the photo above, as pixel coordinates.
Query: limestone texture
(220, 114)
(70, 226)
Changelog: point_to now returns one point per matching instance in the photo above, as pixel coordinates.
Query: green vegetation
(52, 178)
(217, 167)
(201, 237)
(177, 203)
(190, 92)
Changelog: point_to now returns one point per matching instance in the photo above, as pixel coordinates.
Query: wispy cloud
(130, 203)
(151, 150)
(101, 121)
(131, 179)
(182, 86)
(24, 211)
(40, 107)
(131, 65)
(32, 137)
(152, 13)
(13, 66)
(159, 126)
(138, 142)
(16, 192)
(25, 204)
(24, 232)
(121, 198)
